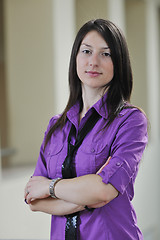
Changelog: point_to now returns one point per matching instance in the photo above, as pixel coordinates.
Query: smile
(93, 73)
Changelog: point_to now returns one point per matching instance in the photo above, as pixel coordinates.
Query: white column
(153, 74)
(0, 159)
(63, 37)
(116, 12)
(152, 52)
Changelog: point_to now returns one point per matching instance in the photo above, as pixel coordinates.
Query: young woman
(90, 155)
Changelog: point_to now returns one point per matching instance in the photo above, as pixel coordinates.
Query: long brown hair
(119, 88)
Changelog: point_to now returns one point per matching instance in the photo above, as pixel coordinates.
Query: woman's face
(94, 64)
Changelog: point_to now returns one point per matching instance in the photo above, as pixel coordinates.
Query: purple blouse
(124, 141)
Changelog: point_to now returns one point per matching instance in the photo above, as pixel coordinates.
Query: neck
(90, 97)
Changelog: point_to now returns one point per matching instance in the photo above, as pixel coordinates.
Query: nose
(94, 60)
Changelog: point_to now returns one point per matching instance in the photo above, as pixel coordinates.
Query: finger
(100, 170)
(108, 160)
(25, 201)
(28, 198)
(26, 191)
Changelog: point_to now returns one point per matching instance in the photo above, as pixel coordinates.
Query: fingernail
(25, 201)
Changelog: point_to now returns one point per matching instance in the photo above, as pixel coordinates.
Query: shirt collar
(73, 114)
(100, 106)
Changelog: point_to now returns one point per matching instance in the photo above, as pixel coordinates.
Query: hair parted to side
(119, 88)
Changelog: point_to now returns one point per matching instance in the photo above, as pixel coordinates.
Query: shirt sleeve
(41, 166)
(126, 151)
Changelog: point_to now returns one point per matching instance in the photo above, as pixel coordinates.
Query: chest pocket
(90, 157)
(55, 159)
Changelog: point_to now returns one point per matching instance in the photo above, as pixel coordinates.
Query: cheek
(110, 70)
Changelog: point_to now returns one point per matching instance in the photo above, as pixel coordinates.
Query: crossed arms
(73, 194)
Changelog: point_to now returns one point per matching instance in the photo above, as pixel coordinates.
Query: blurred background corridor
(36, 38)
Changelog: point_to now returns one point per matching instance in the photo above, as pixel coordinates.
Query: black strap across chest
(67, 164)
(69, 172)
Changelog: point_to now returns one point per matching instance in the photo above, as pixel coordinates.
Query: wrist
(52, 185)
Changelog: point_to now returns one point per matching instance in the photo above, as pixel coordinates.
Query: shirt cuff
(118, 173)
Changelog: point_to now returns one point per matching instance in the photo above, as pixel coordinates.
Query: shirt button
(118, 164)
(92, 150)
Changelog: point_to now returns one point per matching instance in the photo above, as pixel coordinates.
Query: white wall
(63, 37)
(90, 9)
(29, 74)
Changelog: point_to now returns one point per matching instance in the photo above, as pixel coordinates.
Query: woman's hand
(100, 170)
(37, 188)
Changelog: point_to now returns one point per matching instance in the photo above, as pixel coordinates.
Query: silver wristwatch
(52, 186)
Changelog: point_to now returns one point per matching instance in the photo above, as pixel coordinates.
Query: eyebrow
(87, 45)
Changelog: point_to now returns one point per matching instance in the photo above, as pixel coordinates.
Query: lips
(93, 73)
